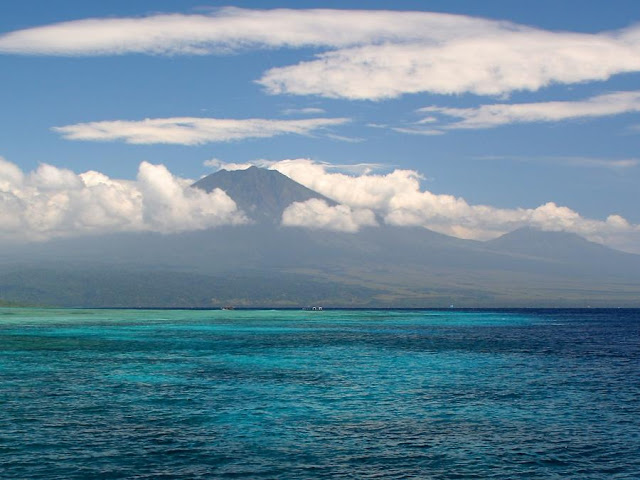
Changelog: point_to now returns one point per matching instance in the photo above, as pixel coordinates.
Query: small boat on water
(228, 307)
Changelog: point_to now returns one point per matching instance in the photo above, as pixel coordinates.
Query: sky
(469, 118)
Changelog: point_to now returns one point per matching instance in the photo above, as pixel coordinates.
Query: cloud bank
(54, 202)
(398, 199)
(190, 130)
(495, 115)
(366, 54)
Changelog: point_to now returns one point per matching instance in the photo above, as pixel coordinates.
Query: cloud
(357, 191)
(574, 161)
(399, 200)
(191, 131)
(419, 131)
(489, 116)
(353, 168)
(492, 59)
(317, 214)
(226, 30)
(304, 111)
(366, 54)
(54, 202)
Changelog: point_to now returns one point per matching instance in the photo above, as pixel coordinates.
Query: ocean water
(110, 394)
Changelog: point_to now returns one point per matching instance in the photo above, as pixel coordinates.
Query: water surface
(336, 394)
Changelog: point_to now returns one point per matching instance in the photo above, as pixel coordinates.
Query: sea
(297, 394)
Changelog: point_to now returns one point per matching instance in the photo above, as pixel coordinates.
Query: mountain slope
(568, 249)
(538, 243)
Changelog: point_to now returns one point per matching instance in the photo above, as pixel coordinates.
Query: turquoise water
(336, 394)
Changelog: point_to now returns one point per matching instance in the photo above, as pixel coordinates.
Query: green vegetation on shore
(10, 304)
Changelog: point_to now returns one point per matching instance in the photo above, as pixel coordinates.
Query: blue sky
(554, 118)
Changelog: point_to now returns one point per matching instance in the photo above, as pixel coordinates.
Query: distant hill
(262, 194)
(567, 249)
(266, 264)
(537, 243)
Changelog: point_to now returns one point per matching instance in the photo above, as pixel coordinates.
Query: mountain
(567, 250)
(267, 264)
(560, 245)
(262, 194)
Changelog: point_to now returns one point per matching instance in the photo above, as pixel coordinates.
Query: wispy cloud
(418, 131)
(218, 164)
(370, 54)
(192, 131)
(342, 138)
(495, 115)
(576, 161)
(362, 168)
(304, 111)
(490, 58)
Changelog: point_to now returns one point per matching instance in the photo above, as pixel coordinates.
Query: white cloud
(368, 54)
(495, 59)
(317, 214)
(229, 29)
(398, 198)
(54, 202)
(489, 116)
(192, 131)
(362, 191)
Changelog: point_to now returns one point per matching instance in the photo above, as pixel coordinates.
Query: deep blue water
(336, 394)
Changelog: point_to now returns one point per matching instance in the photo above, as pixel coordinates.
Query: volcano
(262, 194)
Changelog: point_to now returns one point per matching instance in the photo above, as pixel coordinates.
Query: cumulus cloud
(191, 131)
(367, 54)
(357, 191)
(317, 214)
(489, 116)
(54, 202)
(399, 200)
